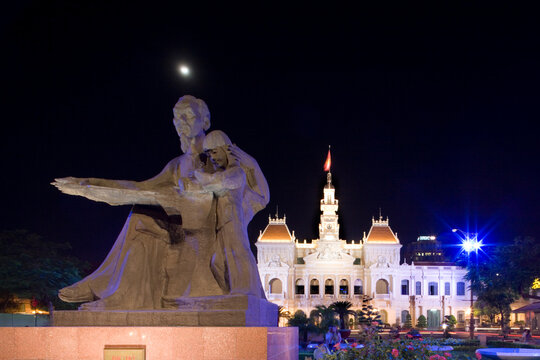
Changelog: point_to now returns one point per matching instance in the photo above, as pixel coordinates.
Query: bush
(421, 323)
(408, 322)
(388, 349)
(497, 344)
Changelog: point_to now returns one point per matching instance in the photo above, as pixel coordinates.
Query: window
(275, 286)
(381, 287)
(358, 287)
(446, 288)
(329, 287)
(404, 314)
(314, 287)
(300, 287)
(404, 287)
(460, 316)
(418, 288)
(460, 288)
(433, 288)
(343, 287)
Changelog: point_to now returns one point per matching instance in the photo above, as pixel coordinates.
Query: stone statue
(186, 236)
(233, 265)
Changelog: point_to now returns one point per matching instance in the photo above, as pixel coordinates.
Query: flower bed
(378, 349)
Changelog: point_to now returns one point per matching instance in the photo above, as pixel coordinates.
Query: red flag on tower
(328, 161)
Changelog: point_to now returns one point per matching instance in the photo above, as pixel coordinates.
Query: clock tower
(329, 226)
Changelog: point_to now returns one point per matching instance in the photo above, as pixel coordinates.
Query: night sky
(431, 112)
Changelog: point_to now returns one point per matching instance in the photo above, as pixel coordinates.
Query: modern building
(426, 249)
(301, 274)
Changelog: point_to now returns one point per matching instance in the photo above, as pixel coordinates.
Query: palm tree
(326, 317)
(342, 309)
(303, 323)
(283, 313)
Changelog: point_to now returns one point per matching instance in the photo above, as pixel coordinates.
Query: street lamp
(470, 243)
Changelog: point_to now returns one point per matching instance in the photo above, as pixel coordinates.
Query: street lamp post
(470, 243)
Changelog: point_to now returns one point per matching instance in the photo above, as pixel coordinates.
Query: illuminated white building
(301, 275)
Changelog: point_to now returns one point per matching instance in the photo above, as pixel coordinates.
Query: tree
(521, 265)
(421, 322)
(7, 301)
(343, 310)
(367, 315)
(408, 322)
(369, 319)
(324, 317)
(283, 313)
(303, 323)
(483, 309)
(32, 267)
(450, 321)
(492, 285)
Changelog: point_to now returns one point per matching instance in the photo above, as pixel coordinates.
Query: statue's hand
(70, 185)
(242, 157)
(202, 177)
(70, 180)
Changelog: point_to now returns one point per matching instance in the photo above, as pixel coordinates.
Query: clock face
(329, 227)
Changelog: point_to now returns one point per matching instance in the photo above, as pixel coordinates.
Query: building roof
(276, 231)
(380, 233)
(535, 307)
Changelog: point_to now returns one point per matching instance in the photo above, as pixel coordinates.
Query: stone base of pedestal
(197, 343)
(240, 310)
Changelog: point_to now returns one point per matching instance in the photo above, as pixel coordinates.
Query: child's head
(215, 144)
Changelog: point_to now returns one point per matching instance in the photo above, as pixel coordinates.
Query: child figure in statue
(233, 263)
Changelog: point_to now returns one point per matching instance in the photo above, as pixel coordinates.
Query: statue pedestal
(163, 343)
(238, 310)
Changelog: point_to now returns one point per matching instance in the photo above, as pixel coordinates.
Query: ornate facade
(301, 275)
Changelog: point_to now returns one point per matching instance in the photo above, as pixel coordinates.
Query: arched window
(344, 287)
(460, 288)
(418, 288)
(358, 287)
(433, 288)
(404, 287)
(275, 286)
(300, 287)
(381, 287)
(329, 287)
(314, 287)
(404, 314)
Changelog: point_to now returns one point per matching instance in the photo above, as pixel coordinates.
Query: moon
(184, 70)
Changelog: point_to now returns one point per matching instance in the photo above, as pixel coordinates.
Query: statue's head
(216, 145)
(191, 116)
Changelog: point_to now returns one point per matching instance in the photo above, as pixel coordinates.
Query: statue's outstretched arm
(118, 192)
